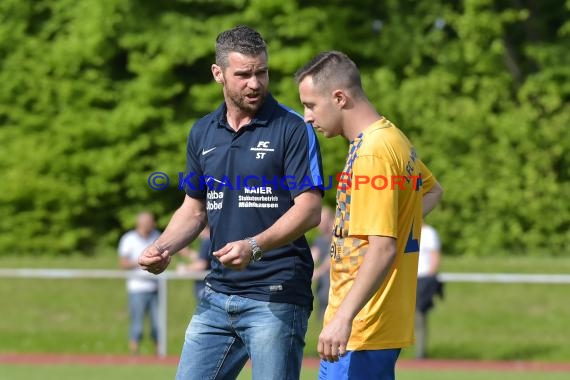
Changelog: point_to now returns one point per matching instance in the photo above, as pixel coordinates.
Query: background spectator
(428, 284)
(142, 292)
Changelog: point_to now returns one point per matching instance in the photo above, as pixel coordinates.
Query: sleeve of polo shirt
(192, 184)
(303, 164)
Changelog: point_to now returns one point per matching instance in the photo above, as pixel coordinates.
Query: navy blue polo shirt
(249, 179)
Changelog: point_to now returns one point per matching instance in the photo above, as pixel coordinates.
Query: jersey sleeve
(428, 179)
(374, 201)
(192, 182)
(303, 164)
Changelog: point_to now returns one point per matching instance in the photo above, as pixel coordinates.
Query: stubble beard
(240, 102)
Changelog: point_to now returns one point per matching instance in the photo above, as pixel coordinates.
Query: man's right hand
(154, 259)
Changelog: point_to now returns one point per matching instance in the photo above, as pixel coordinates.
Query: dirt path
(432, 364)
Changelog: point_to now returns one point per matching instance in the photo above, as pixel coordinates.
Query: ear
(218, 74)
(339, 98)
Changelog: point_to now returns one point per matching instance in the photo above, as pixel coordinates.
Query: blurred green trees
(96, 95)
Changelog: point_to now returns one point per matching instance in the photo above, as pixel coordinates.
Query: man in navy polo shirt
(253, 173)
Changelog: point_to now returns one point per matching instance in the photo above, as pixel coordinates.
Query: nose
(308, 117)
(254, 83)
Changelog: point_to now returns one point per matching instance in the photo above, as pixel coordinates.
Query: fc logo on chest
(262, 148)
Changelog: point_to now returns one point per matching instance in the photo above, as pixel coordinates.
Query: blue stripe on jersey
(313, 159)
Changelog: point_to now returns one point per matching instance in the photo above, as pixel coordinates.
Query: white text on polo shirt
(258, 197)
(215, 200)
(258, 190)
(261, 149)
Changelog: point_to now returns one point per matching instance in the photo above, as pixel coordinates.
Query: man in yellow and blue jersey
(382, 195)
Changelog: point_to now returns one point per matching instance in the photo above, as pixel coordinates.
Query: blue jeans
(227, 330)
(141, 303)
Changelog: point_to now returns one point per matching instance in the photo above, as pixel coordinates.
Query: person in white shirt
(428, 284)
(142, 292)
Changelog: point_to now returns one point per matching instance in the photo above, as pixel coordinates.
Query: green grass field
(73, 372)
(475, 321)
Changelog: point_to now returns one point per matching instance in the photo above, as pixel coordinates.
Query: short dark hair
(241, 39)
(332, 69)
